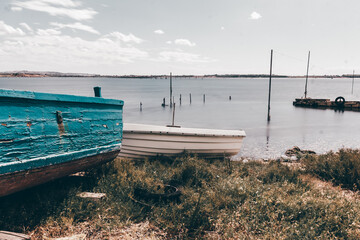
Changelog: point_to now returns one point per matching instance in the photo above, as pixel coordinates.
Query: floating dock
(338, 104)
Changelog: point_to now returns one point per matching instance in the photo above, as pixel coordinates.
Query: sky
(150, 37)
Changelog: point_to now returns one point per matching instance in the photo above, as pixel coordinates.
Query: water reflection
(267, 136)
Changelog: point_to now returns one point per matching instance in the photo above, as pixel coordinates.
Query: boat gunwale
(30, 95)
(185, 134)
(143, 149)
(238, 138)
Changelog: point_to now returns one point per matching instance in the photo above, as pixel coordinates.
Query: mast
(170, 89)
(307, 74)
(271, 57)
(173, 115)
(352, 86)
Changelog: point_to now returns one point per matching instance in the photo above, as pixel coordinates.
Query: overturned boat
(48, 136)
(141, 141)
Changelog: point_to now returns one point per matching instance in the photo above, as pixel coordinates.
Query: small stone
(74, 237)
(90, 195)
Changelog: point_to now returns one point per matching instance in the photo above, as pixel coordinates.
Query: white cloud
(16, 9)
(222, 28)
(76, 26)
(159, 31)
(125, 38)
(184, 42)
(9, 30)
(169, 42)
(53, 49)
(180, 56)
(62, 3)
(47, 32)
(26, 26)
(255, 16)
(67, 8)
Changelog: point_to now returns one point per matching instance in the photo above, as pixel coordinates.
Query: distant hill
(44, 74)
(59, 74)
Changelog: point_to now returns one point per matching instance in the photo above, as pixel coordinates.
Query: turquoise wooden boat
(48, 136)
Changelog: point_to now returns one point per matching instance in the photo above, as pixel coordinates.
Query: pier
(338, 103)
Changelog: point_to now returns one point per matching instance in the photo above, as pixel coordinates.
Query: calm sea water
(319, 130)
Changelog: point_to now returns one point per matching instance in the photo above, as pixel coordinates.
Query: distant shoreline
(31, 74)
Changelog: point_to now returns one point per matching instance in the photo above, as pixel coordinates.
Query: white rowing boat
(140, 141)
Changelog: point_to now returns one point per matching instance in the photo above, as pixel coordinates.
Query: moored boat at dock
(140, 141)
(48, 136)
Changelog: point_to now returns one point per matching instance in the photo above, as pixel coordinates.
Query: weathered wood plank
(5, 235)
(16, 181)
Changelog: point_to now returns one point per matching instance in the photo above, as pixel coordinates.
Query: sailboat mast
(352, 85)
(170, 89)
(270, 75)
(173, 115)
(307, 74)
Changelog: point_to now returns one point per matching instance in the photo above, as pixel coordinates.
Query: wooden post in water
(204, 98)
(180, 99)
(352, 86)
(171, 90)
(268, 115)
(140, 106)
(190, 98)
(307, 74)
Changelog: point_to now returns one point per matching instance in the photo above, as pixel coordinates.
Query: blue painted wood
(40, 129)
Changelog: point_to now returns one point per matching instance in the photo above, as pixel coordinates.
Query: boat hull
(17, 181)
(164, 141)
(47, 136)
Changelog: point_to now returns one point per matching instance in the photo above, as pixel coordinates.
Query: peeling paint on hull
(41, 132)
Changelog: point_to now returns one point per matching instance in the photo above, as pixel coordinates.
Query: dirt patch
(324, 186)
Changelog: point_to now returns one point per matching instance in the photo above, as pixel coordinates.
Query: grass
(219, 200)
(342, 168)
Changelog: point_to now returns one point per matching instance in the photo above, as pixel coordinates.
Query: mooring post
(97, 91)
(230, 98)
(140, 106)
(171, 89)
(163, 103)
(204, 98)
(190, 98)
(180, 99)
(271, 57)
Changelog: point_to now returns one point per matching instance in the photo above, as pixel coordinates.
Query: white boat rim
(155, 129)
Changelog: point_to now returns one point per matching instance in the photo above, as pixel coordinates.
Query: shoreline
(218, 199)
(35, 74)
